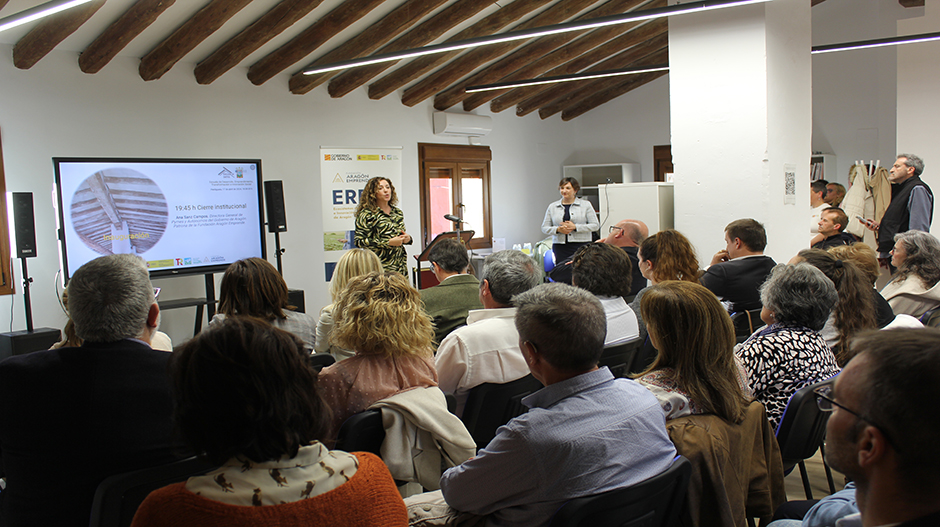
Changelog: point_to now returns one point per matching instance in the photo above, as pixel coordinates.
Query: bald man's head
(628, 233)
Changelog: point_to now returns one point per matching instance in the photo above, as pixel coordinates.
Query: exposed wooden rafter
(271, 24)
(204, 23)
(563, 48)
(589, 88)
(120, 33)
(546, 94)
(478, 56)
(378, 34)
(593, 101)
(47, 34)
(912, 3)
(3, 3)
(414, 69)
(425, 33)
(310, 39)
(507, 98)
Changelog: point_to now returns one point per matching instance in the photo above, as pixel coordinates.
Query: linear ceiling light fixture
(877, 43)
(35, 13)
(567, 78)
(594, 23)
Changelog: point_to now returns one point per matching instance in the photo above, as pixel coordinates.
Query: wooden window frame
(430, 154)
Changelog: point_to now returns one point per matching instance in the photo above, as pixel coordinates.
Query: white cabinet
(651, 203)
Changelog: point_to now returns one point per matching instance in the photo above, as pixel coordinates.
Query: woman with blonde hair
(380, 225)
(353, 263)
(866, 259)
(666, 255)
(380, 318)
(695, 371)
(252, 287)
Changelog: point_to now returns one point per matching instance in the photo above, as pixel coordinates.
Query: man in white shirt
(487, 348)
(817, 202)
(605, 271)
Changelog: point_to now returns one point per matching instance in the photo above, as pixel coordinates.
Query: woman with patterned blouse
(380, 225)
(789, 353)
(695, 371)
(247, 400)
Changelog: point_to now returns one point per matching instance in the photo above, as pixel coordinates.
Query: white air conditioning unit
(462, 124)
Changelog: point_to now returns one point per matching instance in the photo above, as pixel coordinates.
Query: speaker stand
(29, 308)
(279, 252)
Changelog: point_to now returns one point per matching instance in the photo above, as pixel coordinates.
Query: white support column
(741, 116)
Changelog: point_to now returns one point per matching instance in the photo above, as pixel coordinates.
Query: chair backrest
(619, 358)
(643, 357)
(321, 360)
(652, 503)
(746, 322)
(118, 497)
(802, 427)
(931, 318)
(490, 406)
(363, 432)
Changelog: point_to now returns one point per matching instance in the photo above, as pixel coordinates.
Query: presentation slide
(181, 216)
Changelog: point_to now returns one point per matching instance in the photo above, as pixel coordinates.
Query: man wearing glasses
(883, 430)
(626, 234)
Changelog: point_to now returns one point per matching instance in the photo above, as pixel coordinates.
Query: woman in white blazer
(569, 220)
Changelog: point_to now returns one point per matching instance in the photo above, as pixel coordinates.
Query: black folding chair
(801, 432)
(619, 358)
(490, 406)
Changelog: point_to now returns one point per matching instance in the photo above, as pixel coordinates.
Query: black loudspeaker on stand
(277, 223)
(19, 342)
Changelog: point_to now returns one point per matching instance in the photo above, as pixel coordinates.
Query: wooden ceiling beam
(120, 33)
(271, 24)
(205, 22)
(425, 33)
(419, 66)
(549, 51)
(3, 3)
(592, 47)
(508, 98)
(374, 37)
(477, 57)
(49, 32)
(341, 17)
(545, 94)
(584, 90)
(589, 103)
(912, 3)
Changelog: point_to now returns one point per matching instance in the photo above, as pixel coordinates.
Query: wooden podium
(429, 281)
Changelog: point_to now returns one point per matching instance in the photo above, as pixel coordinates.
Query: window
(455, 179)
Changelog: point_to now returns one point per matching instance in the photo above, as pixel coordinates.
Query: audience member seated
(817, 202)
(820, 513)
(878, 435)
(585, 432)
(913, 290)
(866, 259)
(247, 400)
(737, 271)
(835, 193)
(666, 255)
(854, 310)
(379, 316)
(353, 263)
(789, 353)
(603, 270)
(695, 371)
(487, 348)
(626, 234)
(449, 302)
(253, 287)
(160, 341)
(832, 224)
(70, 417)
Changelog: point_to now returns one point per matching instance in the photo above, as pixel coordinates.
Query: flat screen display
(182, 216)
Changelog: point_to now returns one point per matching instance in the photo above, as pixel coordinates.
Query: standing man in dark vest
(911, 205)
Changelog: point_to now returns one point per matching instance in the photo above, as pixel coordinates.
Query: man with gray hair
(911, 207)
(70, 417)
(585, 432)
(487, 348)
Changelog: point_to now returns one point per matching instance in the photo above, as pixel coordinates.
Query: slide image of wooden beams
(119, 210)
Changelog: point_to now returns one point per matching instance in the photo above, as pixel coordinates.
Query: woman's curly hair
(381, 314)
(367, 199)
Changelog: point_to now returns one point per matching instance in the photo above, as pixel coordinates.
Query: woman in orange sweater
(247, 400)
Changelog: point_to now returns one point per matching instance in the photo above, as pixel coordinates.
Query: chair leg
(832, 485)
(806, 488)
(750, 522)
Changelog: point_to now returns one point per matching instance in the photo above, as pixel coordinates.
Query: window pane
(471, 195)
(441, 201)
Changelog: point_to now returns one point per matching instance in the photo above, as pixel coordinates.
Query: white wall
(918, 83)
(55, 110)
